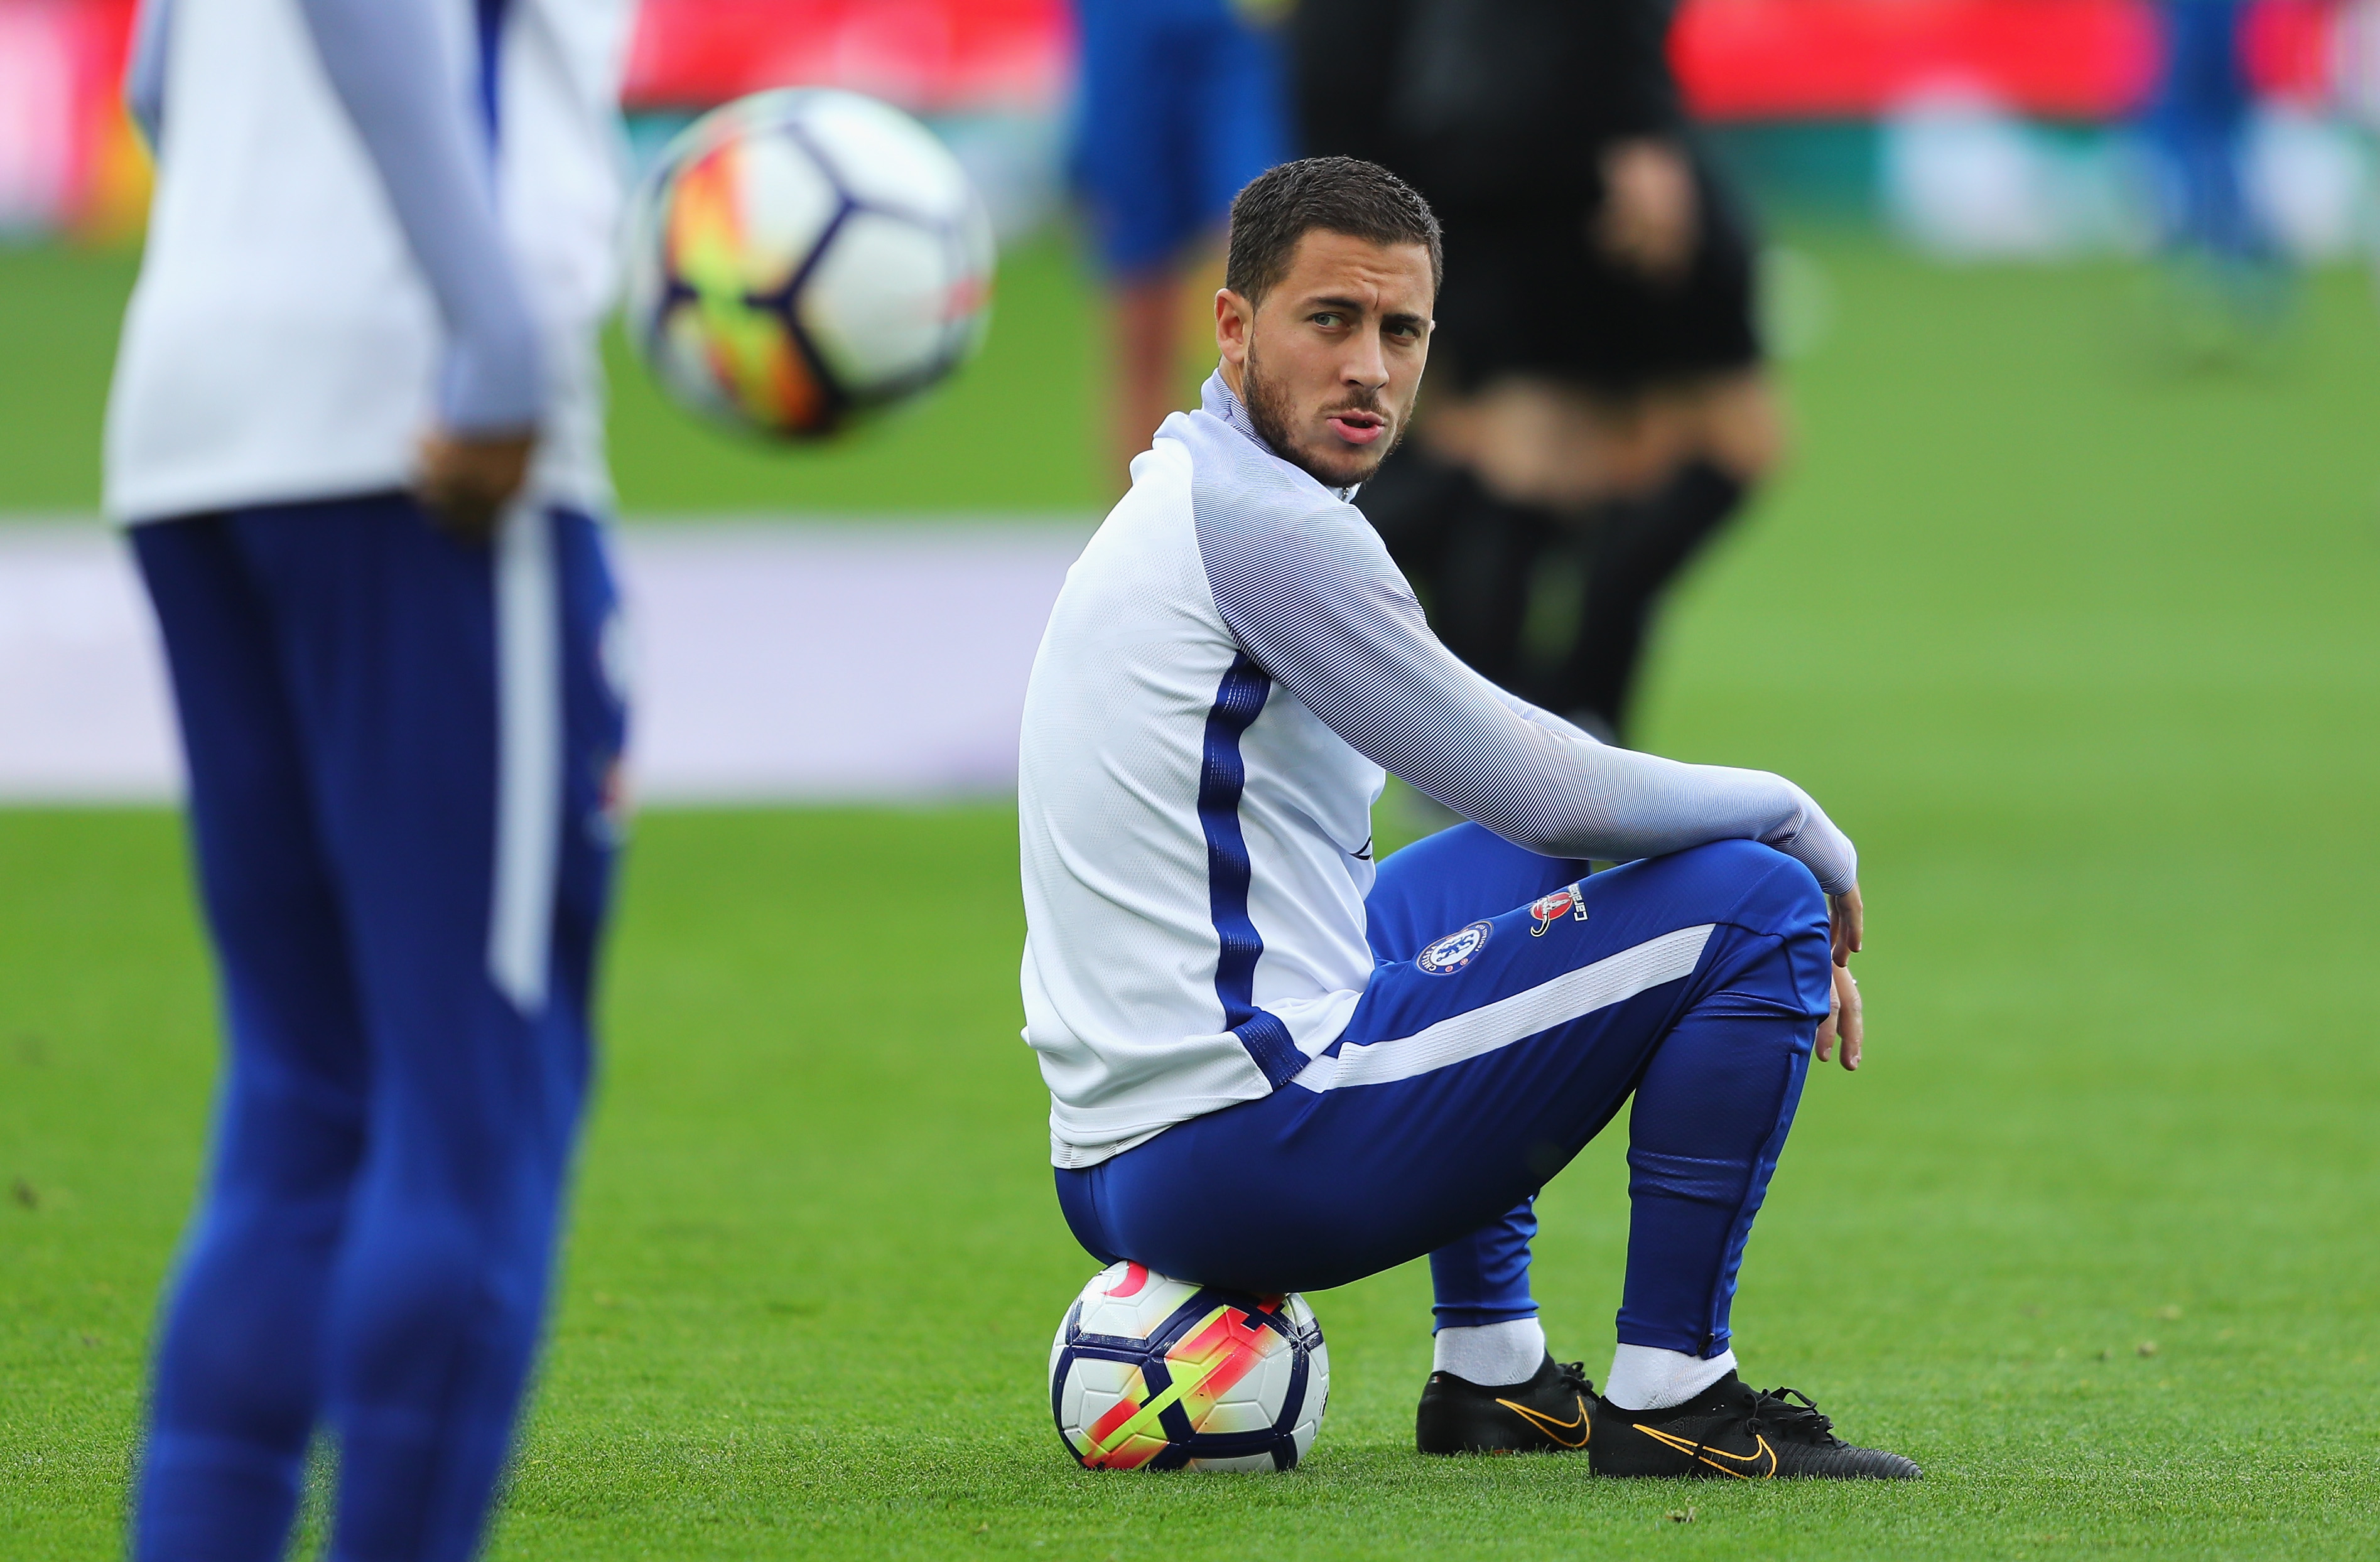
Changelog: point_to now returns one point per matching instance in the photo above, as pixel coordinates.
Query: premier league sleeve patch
(1454, 951)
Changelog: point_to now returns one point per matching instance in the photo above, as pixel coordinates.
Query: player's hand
(464, 480)
(1843, 925)
(1649, 219)
(1843, 1021)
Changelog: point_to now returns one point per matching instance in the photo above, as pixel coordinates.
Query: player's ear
(1235, 318)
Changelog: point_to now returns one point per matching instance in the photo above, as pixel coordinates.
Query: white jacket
(1231, 665)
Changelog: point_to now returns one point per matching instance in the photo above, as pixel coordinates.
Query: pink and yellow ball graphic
(1149, 1373)
(801, 258)
(737, 325)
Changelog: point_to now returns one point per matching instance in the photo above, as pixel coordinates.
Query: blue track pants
(401, 754)
(1181, 104)
(1517, 1005)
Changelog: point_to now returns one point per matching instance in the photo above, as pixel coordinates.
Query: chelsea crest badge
(1454, 951)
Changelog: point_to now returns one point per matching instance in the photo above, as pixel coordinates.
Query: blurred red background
(66, 159)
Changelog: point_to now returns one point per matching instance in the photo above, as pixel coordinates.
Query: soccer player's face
(1328, 363)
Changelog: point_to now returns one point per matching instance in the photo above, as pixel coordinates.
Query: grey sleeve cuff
(386, 61)
(1318, 604)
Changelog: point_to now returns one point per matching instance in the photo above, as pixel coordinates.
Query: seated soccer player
(1273, 1066)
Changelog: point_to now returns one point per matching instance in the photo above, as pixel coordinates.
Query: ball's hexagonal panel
(883, 158)
(879, 304)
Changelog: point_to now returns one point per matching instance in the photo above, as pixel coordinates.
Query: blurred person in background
(1181, 105)
(356, 431)
(2226, 269)
(1599, 388)
(2354, 77)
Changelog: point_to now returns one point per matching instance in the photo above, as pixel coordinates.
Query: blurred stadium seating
(1818, 99)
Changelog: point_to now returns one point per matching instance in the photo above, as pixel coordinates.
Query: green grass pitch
(1014, 432)
(2085, 654)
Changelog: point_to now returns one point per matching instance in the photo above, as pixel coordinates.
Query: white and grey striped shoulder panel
(1308, 588)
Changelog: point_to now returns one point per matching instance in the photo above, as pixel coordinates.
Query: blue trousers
(401, 755)
(2197, 123)
(1517, 1005)
(1180, 103)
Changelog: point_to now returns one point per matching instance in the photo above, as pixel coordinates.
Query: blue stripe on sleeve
(1222, 776)
(489, 15)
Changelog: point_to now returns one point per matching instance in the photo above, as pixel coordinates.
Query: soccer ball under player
(1224, 993)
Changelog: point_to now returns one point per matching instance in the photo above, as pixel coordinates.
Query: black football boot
(1729, 1431)
(1551, 1412)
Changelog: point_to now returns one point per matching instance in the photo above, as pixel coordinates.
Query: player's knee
(1736, 859)
(1751, 884)
(470, 1204)
(432, 1266)
(294, 1150)
(1781, 893)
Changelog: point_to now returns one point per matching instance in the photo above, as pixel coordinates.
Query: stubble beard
(1272, 416)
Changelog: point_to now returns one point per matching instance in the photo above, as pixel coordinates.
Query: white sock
(1490, 1354)
(1645, 1379)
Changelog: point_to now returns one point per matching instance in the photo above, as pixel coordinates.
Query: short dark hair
(1343, 195)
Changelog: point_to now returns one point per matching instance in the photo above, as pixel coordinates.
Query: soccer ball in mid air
(1153, 1374)
(804, 256)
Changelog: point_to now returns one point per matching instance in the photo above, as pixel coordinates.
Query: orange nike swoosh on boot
(1552, 1428)
(1703, 1452)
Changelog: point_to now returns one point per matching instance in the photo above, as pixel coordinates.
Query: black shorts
(1531, 294)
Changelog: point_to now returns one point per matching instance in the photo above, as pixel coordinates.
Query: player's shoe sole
(1553, 1413)
(1728, 1431)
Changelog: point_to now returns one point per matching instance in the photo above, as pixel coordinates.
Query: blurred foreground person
(1182, 103)
(355, 429)
(1599, 383)
(1271, 1069)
